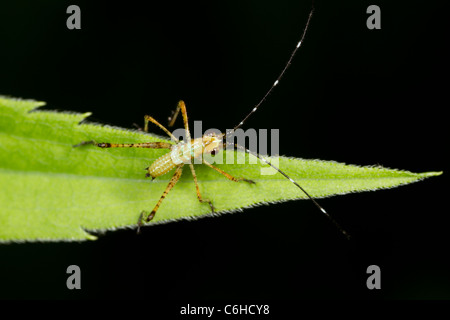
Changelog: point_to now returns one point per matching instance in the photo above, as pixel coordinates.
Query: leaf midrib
(117, 179)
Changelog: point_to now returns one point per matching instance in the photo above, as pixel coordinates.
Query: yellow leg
(199, 196)
(150, 119)
(151, 145)
(169, 187)
(181, 106)
(227, 175)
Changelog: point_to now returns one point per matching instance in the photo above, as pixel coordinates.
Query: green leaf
(51, 191)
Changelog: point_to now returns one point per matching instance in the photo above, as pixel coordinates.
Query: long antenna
(296, 184)
(256, 108)
(281, 74)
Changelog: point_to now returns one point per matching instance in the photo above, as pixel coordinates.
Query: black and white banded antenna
(259, 156)
(277, 81)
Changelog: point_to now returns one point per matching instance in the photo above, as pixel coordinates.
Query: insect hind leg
(169, 187)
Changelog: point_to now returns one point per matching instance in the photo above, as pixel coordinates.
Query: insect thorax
(183, 152)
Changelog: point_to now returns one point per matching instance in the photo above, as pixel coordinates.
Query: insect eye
(213, 153)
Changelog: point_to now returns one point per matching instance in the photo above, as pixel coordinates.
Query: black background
(352, 95)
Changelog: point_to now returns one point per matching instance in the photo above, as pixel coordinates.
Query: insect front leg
(169, 187)
(175, 113)
(227, 175)
(181, 107)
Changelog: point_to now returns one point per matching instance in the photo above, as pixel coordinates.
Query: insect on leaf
(51, 191)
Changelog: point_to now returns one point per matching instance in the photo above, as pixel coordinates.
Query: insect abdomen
(161, 166)
(180, 153)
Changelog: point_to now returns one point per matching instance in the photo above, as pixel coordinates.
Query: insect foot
(213, 210)
(141, 219)
(82, 143)
(249, 181)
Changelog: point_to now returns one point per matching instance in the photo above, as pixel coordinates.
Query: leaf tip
(85, 115)
(20, 104)
(433, 173)
(91, 237)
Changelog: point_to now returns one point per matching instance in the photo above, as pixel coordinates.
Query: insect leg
(174, 116)
(151, 145)
(175, 113)
(199, 196)
(176, 176)
(227, 175)
(150, 119)
(181, 106)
